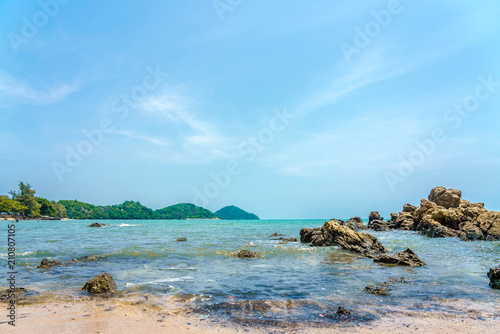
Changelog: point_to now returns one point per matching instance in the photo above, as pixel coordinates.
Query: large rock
(403, 258)
(448, 198)
(332, 233)
(405, 221)
(46, 263)
(374, 215)
(246, 254)
(103, 283)
(409, 208)
(355, 223)
(490, 223)
(494, 276)
(380, 225)
(96, 224)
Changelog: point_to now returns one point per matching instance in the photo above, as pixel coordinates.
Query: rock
(7, 293)
(494, 276)
(490, 223)
(97, 225)
(276, 235)
(181, 239)
(403, 258)
(103, 283)
(290, 239)
(355, 223)
(374, 215)
(394, 216)
(246, 253)
(409, 208)
(342, 310)
(379, 225)
(405, 221)
(377, 290)
(431, 228)
(448, 198)
(46, 263)
(471, 232)
(332, 233)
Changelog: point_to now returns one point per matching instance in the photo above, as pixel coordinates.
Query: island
(232, 212)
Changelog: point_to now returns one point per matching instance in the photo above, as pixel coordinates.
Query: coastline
(115, 315)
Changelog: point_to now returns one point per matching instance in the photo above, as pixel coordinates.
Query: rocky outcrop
(103, 283)
(494, 276)
(403, 258)
(374, 215)
(355, 223)
(97, 224)
(46, 263)
(332, 233)
(246, 254)
(444, 214)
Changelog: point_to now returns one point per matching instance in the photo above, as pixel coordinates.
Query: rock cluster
(333, 233)
(354, 223)
(403, 258)
(444, 214)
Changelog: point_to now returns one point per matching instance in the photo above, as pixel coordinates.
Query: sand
(115, 316)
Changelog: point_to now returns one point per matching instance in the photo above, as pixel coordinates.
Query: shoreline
(148, 313)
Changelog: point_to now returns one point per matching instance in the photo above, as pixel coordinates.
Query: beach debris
(102, 283)
(494, 276)
(181, 239)
(342, 310)
(96, 224)
(46, 263)
(332, 233)
(246, 253)
(403, 258)
(377, 290)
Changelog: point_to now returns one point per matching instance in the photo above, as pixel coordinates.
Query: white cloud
(139, 136)
(15, 91)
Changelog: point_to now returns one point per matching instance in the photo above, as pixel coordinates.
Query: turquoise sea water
(143, 256)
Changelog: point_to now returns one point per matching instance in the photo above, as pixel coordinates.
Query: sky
(287, 109)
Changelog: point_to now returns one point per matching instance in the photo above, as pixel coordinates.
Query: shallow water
(144, 257)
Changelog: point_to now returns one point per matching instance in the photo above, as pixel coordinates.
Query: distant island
(23, 204)
(234, 213)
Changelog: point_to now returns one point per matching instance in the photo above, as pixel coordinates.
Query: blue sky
(288, 109)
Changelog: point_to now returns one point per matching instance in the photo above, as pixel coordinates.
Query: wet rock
(403, 258)
(380, 225)
(394, 280)
(332, 233)
(103, 283)
(494, 276)
(246, 254)
(355, 223)
(447, 198)
(342, 310)
(276, 235)
(46, 263)
(181, 239)
(377, 290)
(290, 239)
(96, 224)
(374, 215)
(431, 228)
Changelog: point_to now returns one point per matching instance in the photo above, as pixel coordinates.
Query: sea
(287, 281)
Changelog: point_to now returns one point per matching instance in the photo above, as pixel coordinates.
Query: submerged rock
(276, 235)
(246, 254)
(403, 258)
(46, 263)
(103, 283)
(342, 310)
(181, 239)
(290, 239)
(377, 290)
(494, 276)
(332, 233)
(96, 224)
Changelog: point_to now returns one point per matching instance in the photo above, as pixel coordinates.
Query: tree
(60, 209)
(46, 207)
(11, 206)
(26, 196)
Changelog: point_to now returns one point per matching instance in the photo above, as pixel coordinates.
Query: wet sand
(117, 316)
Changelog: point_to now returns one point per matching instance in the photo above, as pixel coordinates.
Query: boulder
(103, 283)
(354, 223)
(431, 228)
(46, 263)
(490, 223)
(403, 258)
(332, 233)
(342, 310)
(374, 215)
(246, 254)
(97, 224)
(494, 276)
(377, 290)
(380, 225)
(409, 208)
(448, 198)
(405, 221)
(394, 216)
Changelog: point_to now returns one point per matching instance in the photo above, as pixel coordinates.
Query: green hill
(234, 213)
(183, 211)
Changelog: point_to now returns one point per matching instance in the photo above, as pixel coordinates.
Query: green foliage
(234, 213)
(26, 196)
(11, 206)
(46, 207)
(183, 211)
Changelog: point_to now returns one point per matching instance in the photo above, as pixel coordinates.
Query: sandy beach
(112, 315)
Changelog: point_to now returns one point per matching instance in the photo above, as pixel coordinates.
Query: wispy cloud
(142, 137)
(15, 91)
